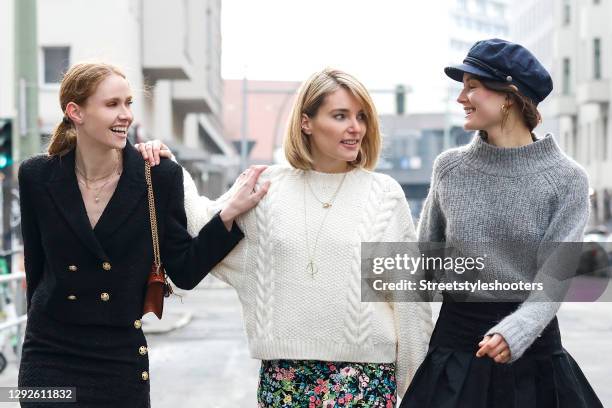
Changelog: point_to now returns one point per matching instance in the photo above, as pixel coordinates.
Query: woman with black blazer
(88, 247)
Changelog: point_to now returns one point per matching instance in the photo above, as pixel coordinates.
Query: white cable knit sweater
(291, 315)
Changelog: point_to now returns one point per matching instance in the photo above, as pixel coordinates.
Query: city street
(491, 125)
(206, 364)
(205, 361)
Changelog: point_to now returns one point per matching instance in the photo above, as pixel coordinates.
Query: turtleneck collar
(512, 161)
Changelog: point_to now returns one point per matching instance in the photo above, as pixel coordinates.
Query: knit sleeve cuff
(521, 328)
(514, 335)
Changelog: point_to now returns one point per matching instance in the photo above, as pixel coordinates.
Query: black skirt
(451, 376)
(104, 363)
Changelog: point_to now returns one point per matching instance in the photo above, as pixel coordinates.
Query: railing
(12, 301)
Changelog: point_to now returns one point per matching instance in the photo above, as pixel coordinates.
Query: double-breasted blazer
(98, 276)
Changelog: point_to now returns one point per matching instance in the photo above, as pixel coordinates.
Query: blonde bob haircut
(310, 97)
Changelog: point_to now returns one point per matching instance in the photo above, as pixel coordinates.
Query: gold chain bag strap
(157, 285)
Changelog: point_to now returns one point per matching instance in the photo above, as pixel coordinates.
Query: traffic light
(6, 143)
(400, 99)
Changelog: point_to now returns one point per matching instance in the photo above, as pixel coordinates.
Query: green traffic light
(5, 161)
(6, 148)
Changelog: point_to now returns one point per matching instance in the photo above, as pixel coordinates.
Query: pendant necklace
(97, 190)
(326, 204)
(311, 266)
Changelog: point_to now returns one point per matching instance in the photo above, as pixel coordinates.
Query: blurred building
(470, 21)
(473, 20)
(581, 61)
(413, 140)
(172, 58)
(7, 84)
(267, 109)
(411, 143)
(532, 24)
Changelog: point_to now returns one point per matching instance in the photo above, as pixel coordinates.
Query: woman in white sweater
(298, 271)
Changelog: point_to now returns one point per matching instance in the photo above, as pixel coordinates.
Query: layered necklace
(98, 190)
(311, 266)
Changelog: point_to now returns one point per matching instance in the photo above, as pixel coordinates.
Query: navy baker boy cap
(508, 62)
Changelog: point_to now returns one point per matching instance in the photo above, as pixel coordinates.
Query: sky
(383, 43)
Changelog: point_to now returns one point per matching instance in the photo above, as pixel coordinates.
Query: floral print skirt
(314, 384)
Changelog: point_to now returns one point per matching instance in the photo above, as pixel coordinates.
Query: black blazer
(99, 276)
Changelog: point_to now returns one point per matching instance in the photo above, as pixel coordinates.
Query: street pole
(245, 128)
(27, 136)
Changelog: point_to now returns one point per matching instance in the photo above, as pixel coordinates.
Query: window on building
(566, 89)
(567, 10)
(56, 61)
(597, 58)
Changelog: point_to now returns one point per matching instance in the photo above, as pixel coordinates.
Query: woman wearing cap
(298, 271)
(506, 186)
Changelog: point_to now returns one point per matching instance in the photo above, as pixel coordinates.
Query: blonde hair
(78, 84)
(311, 96)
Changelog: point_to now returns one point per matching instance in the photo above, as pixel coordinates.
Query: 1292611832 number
(38, 394)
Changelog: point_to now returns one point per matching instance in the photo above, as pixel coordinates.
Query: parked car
(596, 257)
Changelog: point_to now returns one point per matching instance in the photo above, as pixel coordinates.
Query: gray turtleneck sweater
(483, 193)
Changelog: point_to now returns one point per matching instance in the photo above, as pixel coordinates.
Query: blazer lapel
(64, 190)
(127, 196)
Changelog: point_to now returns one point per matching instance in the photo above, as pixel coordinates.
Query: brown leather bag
(158, 286)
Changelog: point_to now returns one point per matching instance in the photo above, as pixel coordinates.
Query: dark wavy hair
(529, 111)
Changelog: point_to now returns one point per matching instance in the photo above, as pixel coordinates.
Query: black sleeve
(32, 247)
(188, 260)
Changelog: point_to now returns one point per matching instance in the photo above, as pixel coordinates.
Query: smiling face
(482, 106)
(105, 117)
(336, 131)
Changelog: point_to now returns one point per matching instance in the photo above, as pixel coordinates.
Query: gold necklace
(97, 190)
(93, 180)
(311, 266)
(326, 204)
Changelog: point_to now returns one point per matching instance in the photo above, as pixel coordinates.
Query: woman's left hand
(153, 150)
(495, 346)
